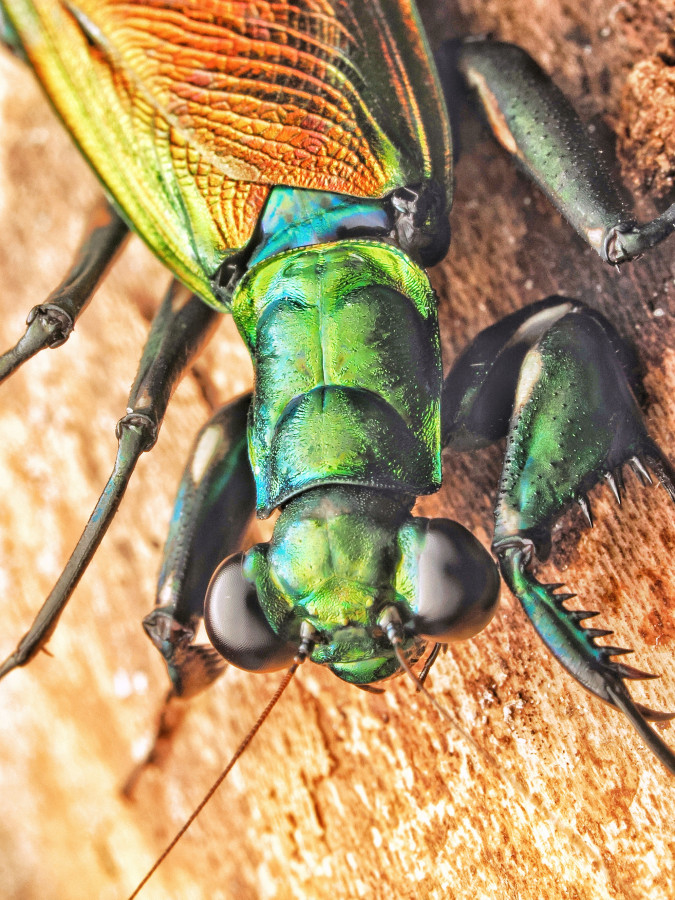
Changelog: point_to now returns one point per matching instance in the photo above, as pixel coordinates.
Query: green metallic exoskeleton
(331, 410)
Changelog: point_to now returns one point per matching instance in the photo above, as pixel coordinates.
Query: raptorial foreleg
(557, 381)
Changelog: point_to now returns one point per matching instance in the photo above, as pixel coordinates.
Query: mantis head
(338, 559)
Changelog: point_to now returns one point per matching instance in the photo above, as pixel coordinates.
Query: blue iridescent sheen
(295, 218)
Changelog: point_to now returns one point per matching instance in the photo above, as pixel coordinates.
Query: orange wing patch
(266, 91)
(189, 110)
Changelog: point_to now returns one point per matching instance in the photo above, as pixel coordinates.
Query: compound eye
(236, 624)
(458, 584)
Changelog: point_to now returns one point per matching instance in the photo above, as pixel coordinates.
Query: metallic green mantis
(349, 408)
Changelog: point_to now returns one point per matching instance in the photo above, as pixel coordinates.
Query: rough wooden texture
(343, 794)
(646, 139)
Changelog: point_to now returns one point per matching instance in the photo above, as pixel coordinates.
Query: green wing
(190, 110)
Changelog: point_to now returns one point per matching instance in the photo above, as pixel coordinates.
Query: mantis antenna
(303, 652)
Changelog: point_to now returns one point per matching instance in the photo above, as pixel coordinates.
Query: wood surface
(342, 794)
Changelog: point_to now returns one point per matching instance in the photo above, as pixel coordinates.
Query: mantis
(360, 714)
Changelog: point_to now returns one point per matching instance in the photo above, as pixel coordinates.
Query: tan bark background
(343, 794)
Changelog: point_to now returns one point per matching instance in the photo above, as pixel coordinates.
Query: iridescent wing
(189, 110)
